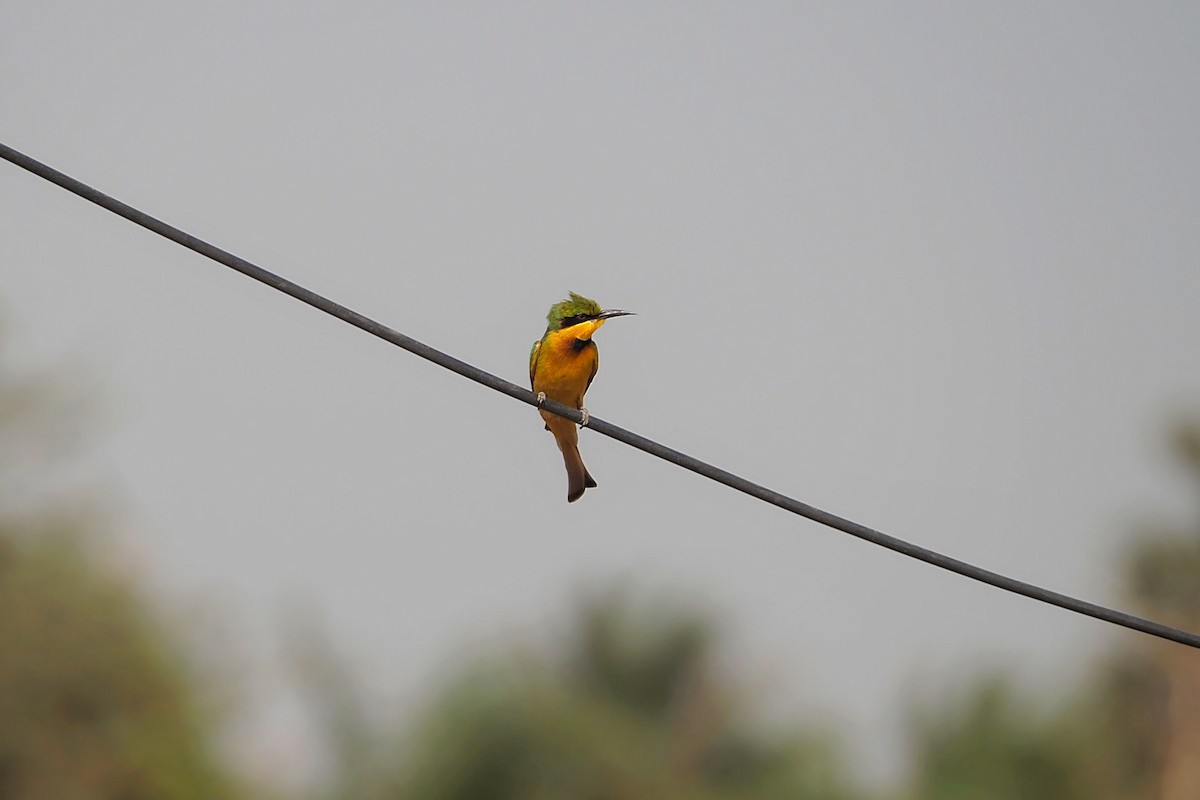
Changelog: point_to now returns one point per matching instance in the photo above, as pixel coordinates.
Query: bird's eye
(574, 320)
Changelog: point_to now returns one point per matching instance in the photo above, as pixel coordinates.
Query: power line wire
(595, 423)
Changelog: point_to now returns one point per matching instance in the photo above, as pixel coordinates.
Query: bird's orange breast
(564, 369)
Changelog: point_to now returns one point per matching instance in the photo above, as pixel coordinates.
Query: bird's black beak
(613, 312)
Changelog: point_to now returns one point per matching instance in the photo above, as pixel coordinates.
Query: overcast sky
(932, 266)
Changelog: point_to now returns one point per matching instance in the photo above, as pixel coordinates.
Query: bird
(561, 367)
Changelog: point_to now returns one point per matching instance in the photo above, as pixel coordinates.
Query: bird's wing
(595, 367)
(533, 357)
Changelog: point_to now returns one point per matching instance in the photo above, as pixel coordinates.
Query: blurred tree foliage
(95, 700)
(1155, 687)
(1133, 730)
(995, 745)
(631, 708)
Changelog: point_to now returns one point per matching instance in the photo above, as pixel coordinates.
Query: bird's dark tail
(578, 477)
(567, 437)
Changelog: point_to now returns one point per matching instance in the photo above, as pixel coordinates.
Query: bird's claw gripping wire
(583, 412)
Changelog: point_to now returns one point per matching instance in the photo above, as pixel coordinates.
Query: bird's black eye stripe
(575, 320)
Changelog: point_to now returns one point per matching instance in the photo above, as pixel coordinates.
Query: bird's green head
(576, 310)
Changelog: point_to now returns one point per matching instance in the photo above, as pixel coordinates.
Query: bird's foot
(541, 398)
(584, 417)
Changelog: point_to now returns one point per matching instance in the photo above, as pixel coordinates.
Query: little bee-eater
(561, 367)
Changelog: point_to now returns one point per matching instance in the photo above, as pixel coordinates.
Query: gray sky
(933, 267)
